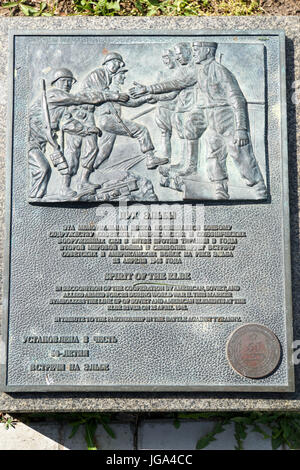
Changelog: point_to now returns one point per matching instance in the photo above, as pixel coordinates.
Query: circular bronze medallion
(253, 350)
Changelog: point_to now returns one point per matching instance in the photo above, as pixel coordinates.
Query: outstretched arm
(63, 98)
(97, 98)
(167, 96)
(135, 102)
(88, 97)
(163, 87)
(239, 105)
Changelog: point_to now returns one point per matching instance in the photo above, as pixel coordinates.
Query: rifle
(57, 156)
(146, 111)
(116, 114)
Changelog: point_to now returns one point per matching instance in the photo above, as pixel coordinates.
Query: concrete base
(151, 434)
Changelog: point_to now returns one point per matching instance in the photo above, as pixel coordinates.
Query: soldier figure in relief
(224, 107)
(112, 124)
(58, 99)
(189, 123)
(81, 132)
(109, 116)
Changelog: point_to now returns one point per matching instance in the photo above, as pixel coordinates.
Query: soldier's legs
(141, 133)
(163, 121)
(40, 172)
(243, 157)
(137, 131)
(247, 165)
(106, 144)
(190, 127)
(88, 156)
(216, 154)
(215, 157)
(179, 125)
(72, 150)
(169, 171)
(194, 125)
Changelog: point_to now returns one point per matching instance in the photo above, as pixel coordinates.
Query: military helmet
(113, 55)
(212, 45)
(183, 45)
(167, 53)
(63, 73)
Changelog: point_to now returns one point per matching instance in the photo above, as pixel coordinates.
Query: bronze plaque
(147, 212)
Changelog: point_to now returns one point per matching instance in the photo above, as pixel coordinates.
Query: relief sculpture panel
(103, 127)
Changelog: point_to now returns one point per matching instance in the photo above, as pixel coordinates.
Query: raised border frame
(285, 215)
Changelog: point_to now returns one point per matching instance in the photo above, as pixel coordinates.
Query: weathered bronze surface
(147, 219)
(253, 351)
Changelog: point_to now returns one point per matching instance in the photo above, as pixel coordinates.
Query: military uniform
(80, 135)
(82, 141)
(39, 166)
(108, 121)
(82, 145)
(184, 106)
(189, 124)
(112, 127)
(221, 109)
(62, 105)
(164, 115)
(226, 111)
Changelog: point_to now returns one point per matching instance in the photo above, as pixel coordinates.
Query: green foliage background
(283, 429)
(132, 8)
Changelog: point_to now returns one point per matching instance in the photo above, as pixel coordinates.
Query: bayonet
(47, 120)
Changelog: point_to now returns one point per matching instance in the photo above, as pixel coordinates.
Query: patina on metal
(201, 112)
(104, 292)
(253, 351)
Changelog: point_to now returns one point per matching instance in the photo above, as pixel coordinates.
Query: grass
(131, 8)
(282, 429)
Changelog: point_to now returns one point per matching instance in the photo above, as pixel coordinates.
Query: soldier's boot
(191, 163)
(84, 184)
(168, 171)
(260, 190)
(177, 167)
(166, 148)
(221, 190)
(250, 171)
(66, 191)
(164, 181)
(259, 187)
(153, 162)
(184, 151)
